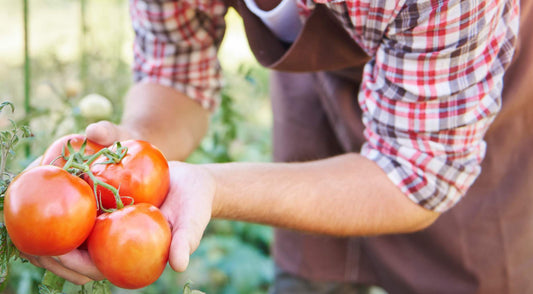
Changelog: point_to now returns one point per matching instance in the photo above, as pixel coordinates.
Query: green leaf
(187, 289)
(3, 269)
(101, 287)
(7, 103)
(52, 281)
(47, 290)
(83, 290)
(7, 251)
(4, 135)
(26, 132)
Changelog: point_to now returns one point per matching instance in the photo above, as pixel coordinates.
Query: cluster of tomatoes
(109, 208)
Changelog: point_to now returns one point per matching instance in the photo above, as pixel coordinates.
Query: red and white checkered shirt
(429, 93)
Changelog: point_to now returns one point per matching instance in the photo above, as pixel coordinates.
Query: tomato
(130, 246)
(142, 174)
(54, 151)
(48, 211)
(95, 107)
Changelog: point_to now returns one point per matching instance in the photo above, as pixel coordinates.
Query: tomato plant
(130, 246)
(8, 140)
(48, 211)
(57, 152)
(142, 175)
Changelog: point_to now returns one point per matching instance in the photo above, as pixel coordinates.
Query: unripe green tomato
(95, 107)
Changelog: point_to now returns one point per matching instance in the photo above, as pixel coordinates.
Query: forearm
(166, 118)
(344, 195)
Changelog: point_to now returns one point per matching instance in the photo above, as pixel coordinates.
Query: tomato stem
(113, 157)
(69, 164)
(81, 163)
(98, 182)
(95, 156)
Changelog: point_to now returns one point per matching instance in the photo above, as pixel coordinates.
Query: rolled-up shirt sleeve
(431, 92)
(176, 45)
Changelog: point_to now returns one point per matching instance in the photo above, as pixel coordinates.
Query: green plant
(8, 139)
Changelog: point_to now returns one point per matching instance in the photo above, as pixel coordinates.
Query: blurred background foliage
(82, 47)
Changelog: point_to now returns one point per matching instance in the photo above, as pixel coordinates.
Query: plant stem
(116, 158)
(81, 163)
(27, 73)
(96, 155)
(83, 44)
(114, 190)
(5, 153)
(97, 182)
(3, 160)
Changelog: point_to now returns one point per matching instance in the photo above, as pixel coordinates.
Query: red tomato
(142, 174)
(48, 211)
(130, 246)
(53, 152)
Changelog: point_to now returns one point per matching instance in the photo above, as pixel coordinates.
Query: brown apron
(482, 245)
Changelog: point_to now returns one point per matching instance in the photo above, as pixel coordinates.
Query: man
(382, 109)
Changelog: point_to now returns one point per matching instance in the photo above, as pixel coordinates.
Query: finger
(31, 259)
(81, 262)
(179, 245)
(103, 132)
(185, 240)
(180, 251)
(57, 268)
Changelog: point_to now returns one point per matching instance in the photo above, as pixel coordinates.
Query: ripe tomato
(142, 174)
(48, 211)
(130, 246)
(53, 152)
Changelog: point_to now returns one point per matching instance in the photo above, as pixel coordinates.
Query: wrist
(170, 120)
(213, 172)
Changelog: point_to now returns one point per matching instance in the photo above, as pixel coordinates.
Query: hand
(188, 208)
(75, 266)
(106, 133)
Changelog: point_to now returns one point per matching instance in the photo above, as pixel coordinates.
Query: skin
(355, 199)
(151, 113)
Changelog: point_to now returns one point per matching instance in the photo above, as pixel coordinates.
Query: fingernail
(55, 258)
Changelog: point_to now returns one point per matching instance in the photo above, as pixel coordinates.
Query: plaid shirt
(429, 93)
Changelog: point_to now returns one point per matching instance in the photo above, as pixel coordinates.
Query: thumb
(106, 133)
